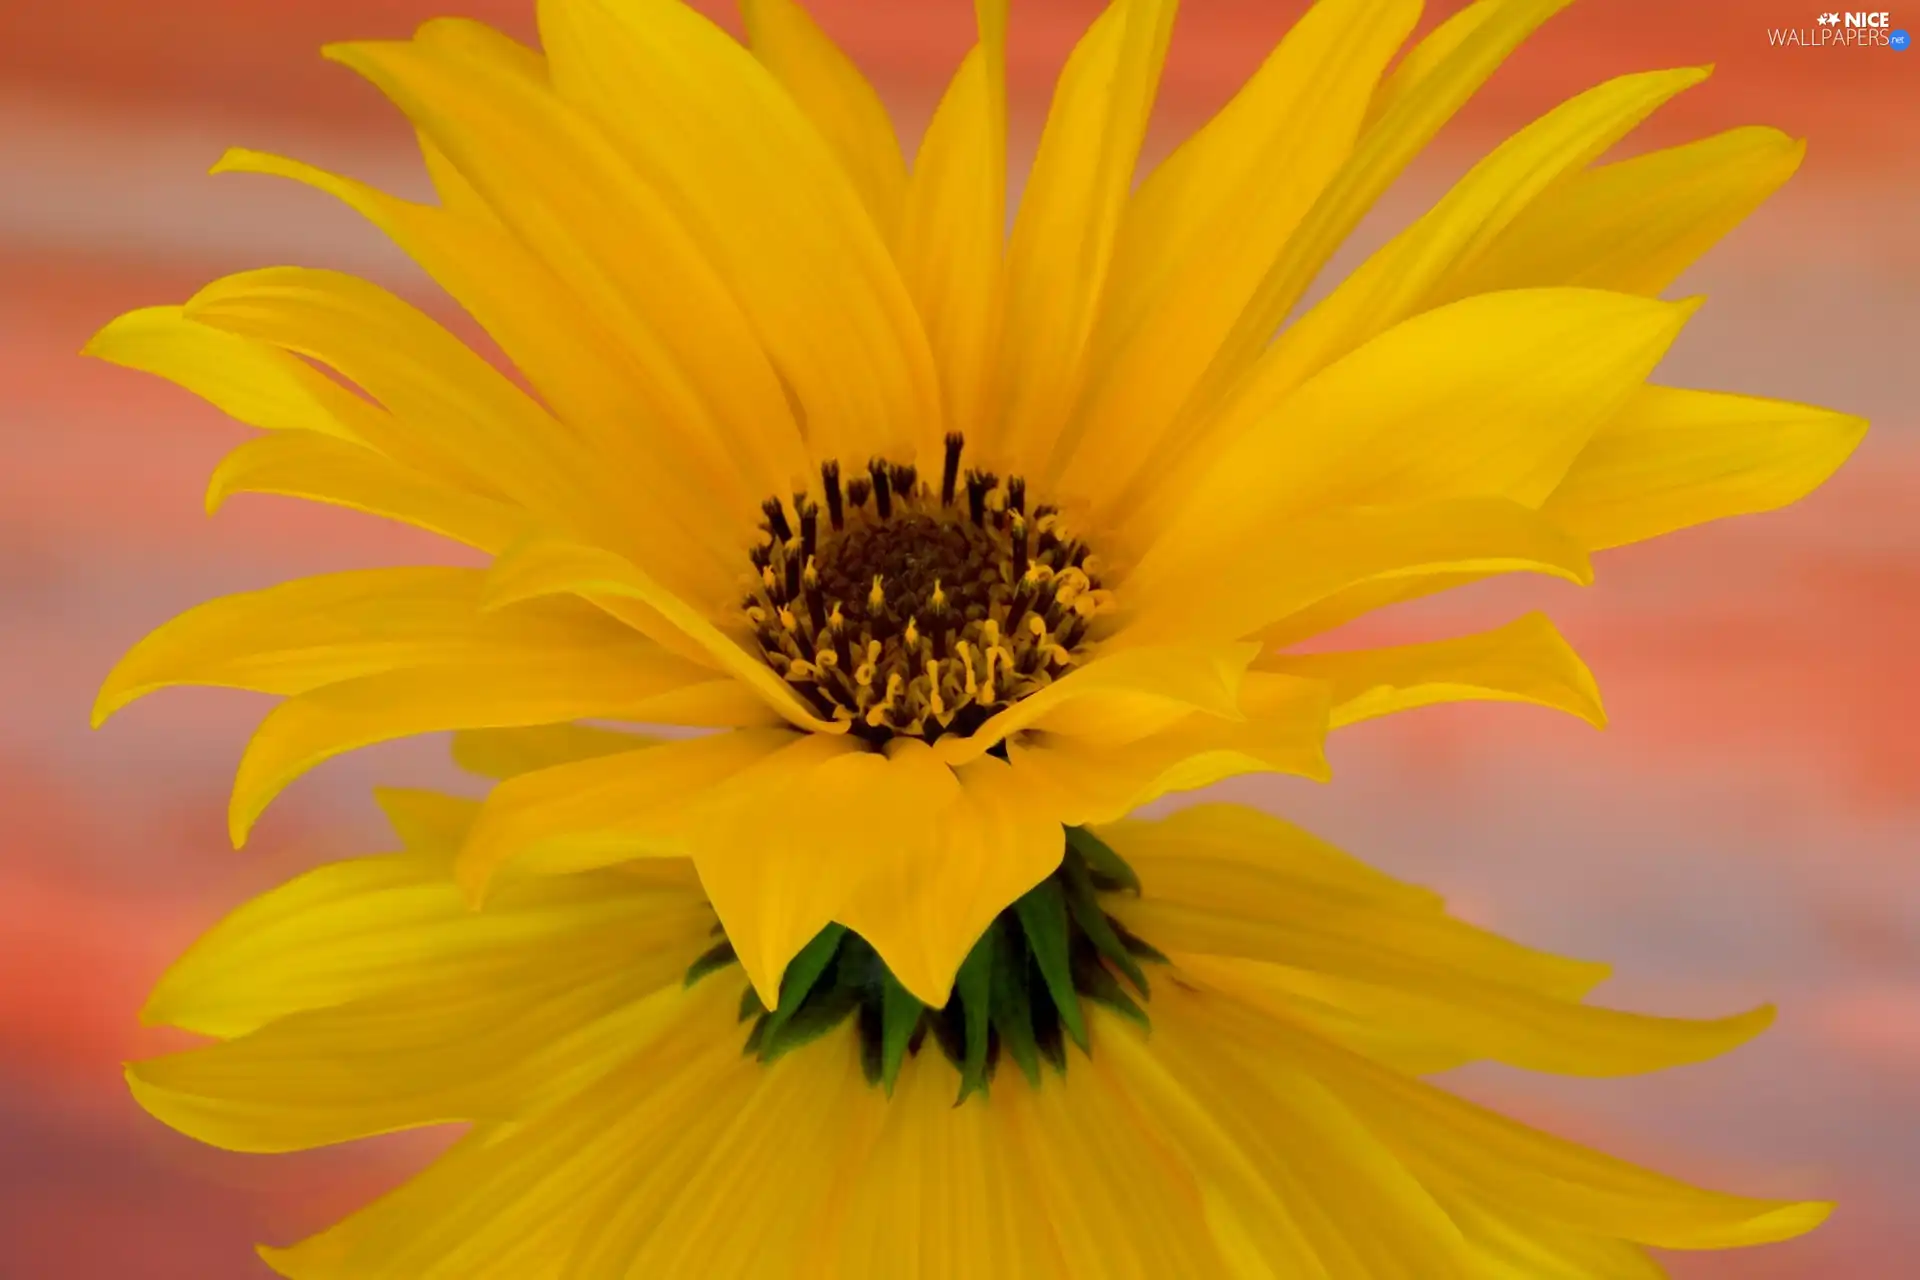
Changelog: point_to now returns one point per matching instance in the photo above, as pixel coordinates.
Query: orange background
(1744, 832)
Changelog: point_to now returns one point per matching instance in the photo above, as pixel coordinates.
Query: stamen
(777, 519)
(950, 469)
(830, 482)
(979, 483)
(882, 488)
(809, 525)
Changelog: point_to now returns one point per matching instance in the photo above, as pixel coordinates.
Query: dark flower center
(900, 608)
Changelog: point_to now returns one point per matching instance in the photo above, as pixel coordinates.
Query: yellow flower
(962, 538)
(1272, 1123)
(959, 546)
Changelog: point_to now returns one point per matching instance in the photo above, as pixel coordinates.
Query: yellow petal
(513, 1202)
(1424, 97)
(836, 98)
(595, 379)
(302, 464)
(1292, 566)
(1475, 1016)
(1146, 1224)
(941, 1185)
(954, 227)
(1225, 881)
(1358, 1207)
(1524, 661)
(633, 804)
(1105, 694)
(1284, 727)
(1253, 1214)
(424, 1052)
(682, 1208)
(1491, 396)
(452, 415)
(511, 682)
(667, 321)
(431, 824)
(1429, 55)
(507, 753)
(356, 929)
(1207, 223)
(545, 567)
(1675, 458)
(1635, 225)
(1403, 278)
(1219, 853)
(768, 204)
(1456, 1144)
(777, 844)
(928, 866)
(1063, 236)
(1519, 1247)
(252, 381)
(315, 631)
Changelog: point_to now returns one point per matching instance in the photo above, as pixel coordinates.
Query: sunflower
(941, 545)
(1272, 1124)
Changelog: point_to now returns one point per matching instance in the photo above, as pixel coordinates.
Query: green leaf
(1012, 1013)
(1102, 860)
(803, 971)
(714, 958)
(811, 1021)
(1093, 922)
(973, 988)
(750, 1006)
(1043, 918)
(900, 1013)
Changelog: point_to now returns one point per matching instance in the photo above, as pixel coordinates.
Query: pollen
(905, 608)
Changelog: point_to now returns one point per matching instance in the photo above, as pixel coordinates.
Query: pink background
(1744, 832)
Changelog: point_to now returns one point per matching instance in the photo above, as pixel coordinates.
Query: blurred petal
(836, 98)
(954, 226)
(1676, 458)
(1635, 225)
(1069, 217)
(1524, 661)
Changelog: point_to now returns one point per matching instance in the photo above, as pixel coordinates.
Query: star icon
(1829, 19)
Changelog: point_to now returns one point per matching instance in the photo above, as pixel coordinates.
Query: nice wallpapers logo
(1836, 30)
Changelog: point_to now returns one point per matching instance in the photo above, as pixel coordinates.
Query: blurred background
(1746, 831)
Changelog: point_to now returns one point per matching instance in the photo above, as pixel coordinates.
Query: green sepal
(812, 1020)
(1101, 987)
(900, 1012)
(713, 959)
(750, 1006)
(1046, 1031)
(1012, 1014)
(1135, 944)
(1103, 861)
(973, 988)
(1093, 922)
(1043, 918)
(804, 970)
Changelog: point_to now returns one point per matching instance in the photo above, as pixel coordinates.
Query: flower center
(919, 611)
(1018, 993)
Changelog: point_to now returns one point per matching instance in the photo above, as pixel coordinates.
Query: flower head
(960, 545)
